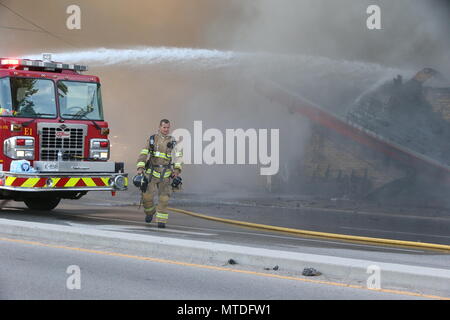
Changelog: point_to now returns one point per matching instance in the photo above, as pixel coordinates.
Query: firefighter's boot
(148, 217)
(149, 206)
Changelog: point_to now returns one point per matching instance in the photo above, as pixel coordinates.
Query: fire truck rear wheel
(45, 204)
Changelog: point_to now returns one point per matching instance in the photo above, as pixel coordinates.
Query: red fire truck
(54, 136)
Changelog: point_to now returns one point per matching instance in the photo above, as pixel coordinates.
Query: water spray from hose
(175, 57)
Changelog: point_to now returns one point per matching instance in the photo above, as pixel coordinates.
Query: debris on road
(311, 272)
(274, 268)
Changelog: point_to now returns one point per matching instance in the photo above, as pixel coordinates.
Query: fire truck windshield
(27, 98)
(80, 100)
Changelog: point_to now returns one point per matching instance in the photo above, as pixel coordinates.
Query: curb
(380, 241)
(417, 281)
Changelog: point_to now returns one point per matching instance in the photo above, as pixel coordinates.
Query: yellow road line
(422, 245)
(186, 264)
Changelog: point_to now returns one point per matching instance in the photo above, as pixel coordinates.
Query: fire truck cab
(54, 136)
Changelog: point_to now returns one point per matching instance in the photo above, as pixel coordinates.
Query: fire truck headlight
(99, 149)
(19, 148)
(97, 155)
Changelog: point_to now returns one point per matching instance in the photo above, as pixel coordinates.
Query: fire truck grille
(52, 155)
(67, 139)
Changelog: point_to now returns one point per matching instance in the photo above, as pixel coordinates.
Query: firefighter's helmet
(141, 182)
(176, 183)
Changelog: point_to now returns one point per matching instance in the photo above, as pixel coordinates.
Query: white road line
(252, 233)
(388, 231)
(263, 235)
(147, 228)
(170, 230)
(307, 239)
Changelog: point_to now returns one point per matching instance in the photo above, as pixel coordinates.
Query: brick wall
(342, 167)
(440, 100)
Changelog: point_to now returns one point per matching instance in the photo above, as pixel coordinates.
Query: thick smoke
(414, 33)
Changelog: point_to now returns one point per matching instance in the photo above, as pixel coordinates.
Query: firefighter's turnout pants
(163, 189)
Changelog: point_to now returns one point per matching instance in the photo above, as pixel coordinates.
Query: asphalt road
(115, 217)
(429, 225)
(30, 271)
(39, 272)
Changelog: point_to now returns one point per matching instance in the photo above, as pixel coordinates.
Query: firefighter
(160, 159)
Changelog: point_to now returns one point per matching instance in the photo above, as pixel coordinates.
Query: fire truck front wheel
(45, 204)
